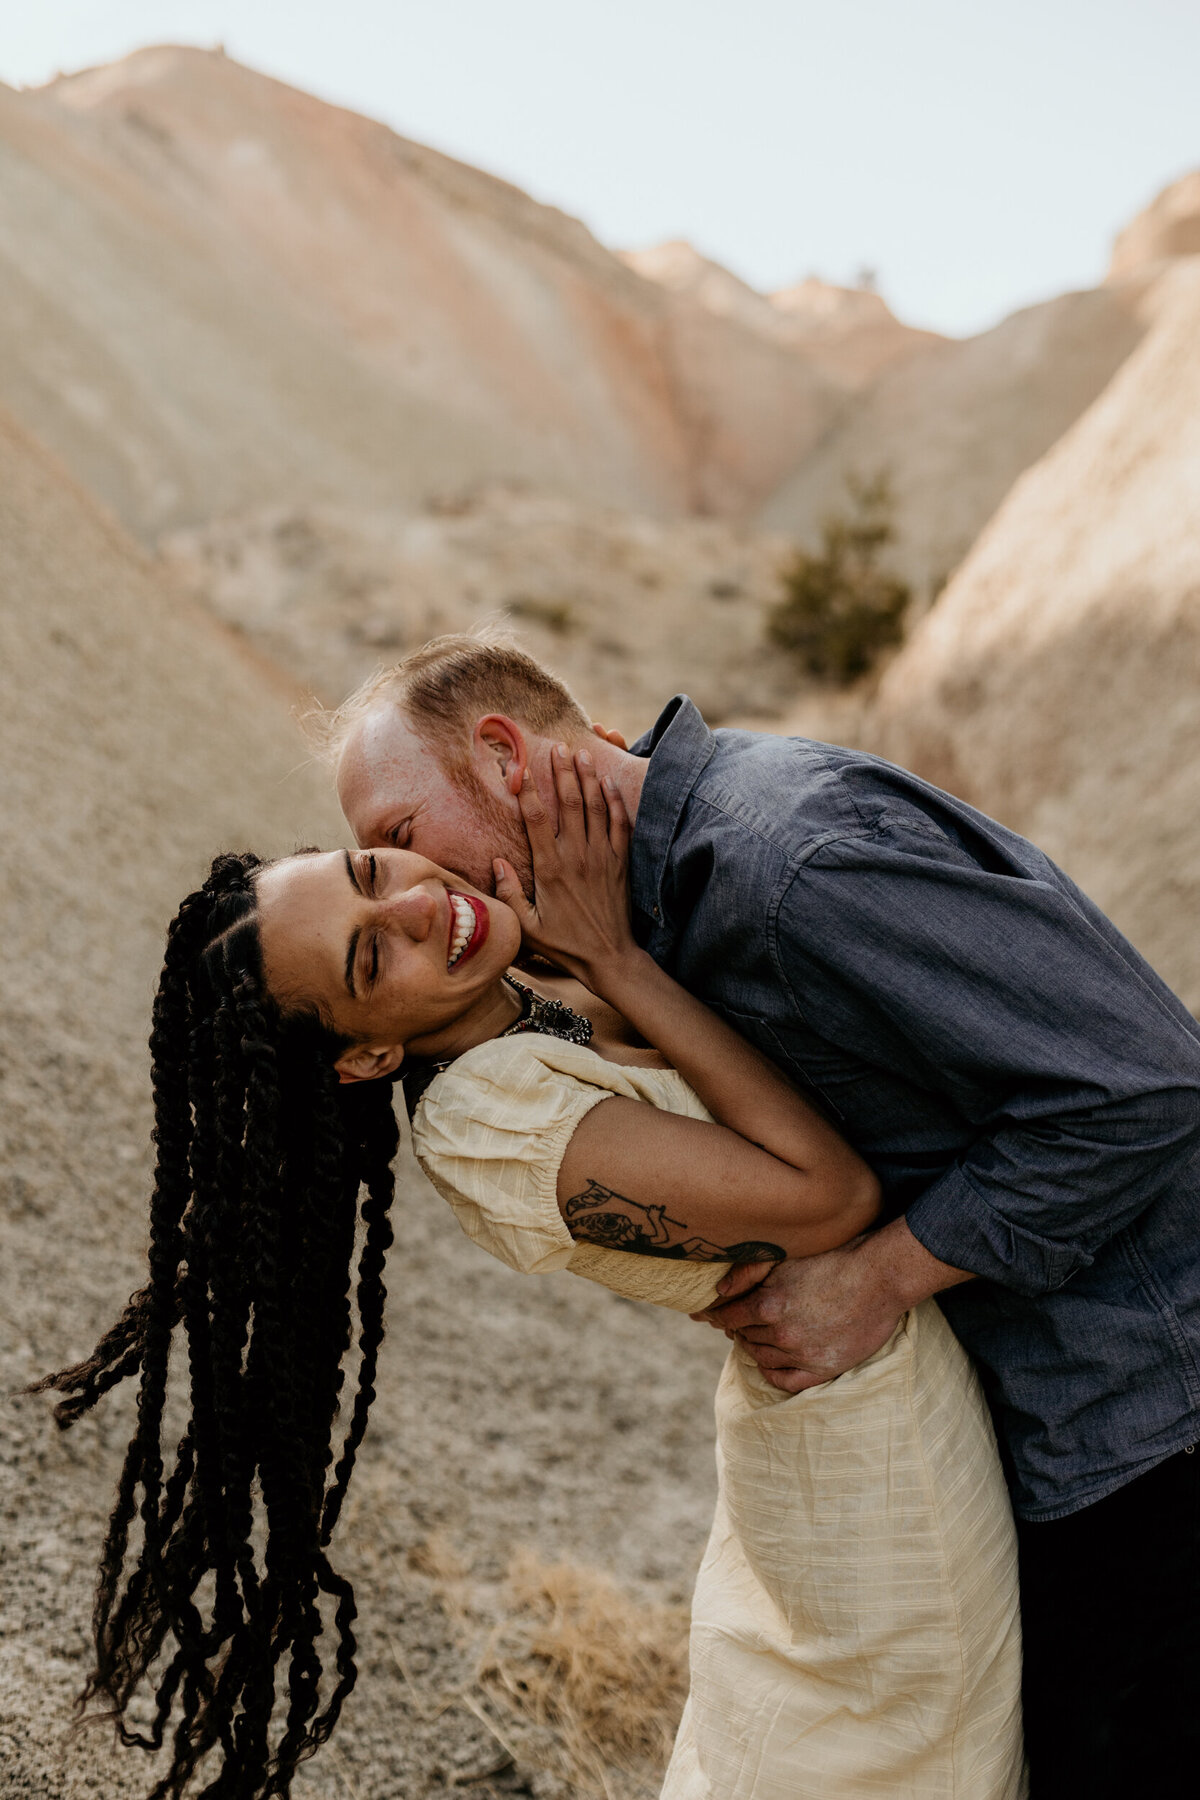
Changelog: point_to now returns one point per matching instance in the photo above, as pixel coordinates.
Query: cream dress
(854, 1627)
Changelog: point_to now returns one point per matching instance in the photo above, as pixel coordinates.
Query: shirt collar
(679, 746)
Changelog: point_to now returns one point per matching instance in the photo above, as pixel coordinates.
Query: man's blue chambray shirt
(1025, 1086)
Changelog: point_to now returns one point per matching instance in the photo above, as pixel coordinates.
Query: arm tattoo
(601, 1216)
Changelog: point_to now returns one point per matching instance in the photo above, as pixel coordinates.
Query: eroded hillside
(229, 277)
(359, 392)
(1057, 681)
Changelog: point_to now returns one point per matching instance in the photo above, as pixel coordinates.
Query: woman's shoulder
(490, 1132)
(506, 1098)
(528, 1068)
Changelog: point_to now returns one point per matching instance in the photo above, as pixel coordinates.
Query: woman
(568, 1126)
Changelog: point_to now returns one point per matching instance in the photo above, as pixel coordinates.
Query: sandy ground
(627, 609)
(137, 739)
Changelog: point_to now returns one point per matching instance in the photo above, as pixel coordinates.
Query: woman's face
(390, 949)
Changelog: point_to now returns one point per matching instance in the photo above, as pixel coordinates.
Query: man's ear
(499, 744)
(368, 1062)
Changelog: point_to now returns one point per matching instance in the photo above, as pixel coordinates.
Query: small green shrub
(839, 609)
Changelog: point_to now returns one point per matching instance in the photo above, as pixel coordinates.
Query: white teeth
(464, 926)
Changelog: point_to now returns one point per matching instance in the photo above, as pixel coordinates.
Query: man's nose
(413, 911)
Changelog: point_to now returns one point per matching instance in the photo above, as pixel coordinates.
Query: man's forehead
(386, 773)
(382, 732)
(375, 747)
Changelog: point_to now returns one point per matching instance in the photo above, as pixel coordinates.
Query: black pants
(1110, 1610)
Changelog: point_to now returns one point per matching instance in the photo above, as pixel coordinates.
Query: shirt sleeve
(490, 1132)
(1010, 995)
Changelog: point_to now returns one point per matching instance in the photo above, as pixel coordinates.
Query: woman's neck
(498, 1007)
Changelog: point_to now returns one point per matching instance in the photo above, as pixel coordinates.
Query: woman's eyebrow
(352, 946)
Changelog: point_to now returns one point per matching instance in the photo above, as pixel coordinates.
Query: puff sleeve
(490, 1133)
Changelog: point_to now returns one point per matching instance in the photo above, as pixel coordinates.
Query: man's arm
(1010, 998)
(1003, 991)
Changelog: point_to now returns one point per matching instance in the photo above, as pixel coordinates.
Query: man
(1024, 1085)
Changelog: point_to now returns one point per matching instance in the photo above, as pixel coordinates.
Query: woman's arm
(777, 1163)
(637, 1178)
(741, 1088)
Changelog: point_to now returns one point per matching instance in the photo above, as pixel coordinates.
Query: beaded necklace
(550, 1017)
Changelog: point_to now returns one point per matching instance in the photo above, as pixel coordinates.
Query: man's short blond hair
(449, 683)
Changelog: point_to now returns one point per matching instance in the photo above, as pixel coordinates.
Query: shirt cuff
(955, 1223)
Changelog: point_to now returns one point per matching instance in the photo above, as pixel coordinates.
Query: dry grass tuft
(573, 1676)
(607, 1673)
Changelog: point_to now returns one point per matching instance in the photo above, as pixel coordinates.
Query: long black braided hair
(215, 1583)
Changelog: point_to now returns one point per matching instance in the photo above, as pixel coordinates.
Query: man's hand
(811, 1319)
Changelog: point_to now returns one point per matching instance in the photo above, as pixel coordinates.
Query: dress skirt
(855, 1628)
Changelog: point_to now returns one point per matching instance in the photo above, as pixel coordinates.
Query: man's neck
(629, 772)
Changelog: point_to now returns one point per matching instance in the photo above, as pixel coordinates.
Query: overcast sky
(977, 154)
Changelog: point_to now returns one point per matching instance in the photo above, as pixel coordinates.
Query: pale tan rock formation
(1169, 227)
(682, 269)
(851, 334)
(173, 373)
(1056, 683)
(955, 423)
(224, 292)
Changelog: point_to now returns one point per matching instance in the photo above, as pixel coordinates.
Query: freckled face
(389, 947)
(394, 792)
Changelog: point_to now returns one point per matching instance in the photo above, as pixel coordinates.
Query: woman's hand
(579, 918)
